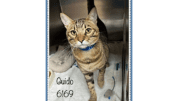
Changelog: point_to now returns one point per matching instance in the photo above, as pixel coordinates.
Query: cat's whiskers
(66, 48)
(69, 53)
(72, 49)
(64, 52)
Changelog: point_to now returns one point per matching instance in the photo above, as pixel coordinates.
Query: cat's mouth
(85, 46)
(82, 46)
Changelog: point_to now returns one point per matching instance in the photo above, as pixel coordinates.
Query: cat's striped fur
(81, 34)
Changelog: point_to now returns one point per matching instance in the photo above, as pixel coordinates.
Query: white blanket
(79, 86)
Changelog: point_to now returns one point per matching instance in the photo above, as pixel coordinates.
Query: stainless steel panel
(75, 9)
(109, 11)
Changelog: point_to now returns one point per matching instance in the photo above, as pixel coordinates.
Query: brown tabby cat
(89, 51)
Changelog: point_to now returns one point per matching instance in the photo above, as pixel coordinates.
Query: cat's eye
(73, 32)
(88, 30)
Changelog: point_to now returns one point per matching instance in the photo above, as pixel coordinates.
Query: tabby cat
(89, 51)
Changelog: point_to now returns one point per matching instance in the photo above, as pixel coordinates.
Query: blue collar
(87, 48)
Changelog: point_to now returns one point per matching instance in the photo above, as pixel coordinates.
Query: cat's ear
(65, 19)
(93, 15)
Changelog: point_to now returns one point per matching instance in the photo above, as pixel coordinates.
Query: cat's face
(82, 32)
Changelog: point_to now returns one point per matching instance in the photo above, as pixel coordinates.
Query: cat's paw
(93, 96)
(101, 77)
(101, 82)
(93, 99)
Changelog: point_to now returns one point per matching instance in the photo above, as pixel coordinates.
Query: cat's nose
(81, 41)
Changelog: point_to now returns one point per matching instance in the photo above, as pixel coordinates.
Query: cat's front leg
(101, 77)
(90, 83)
